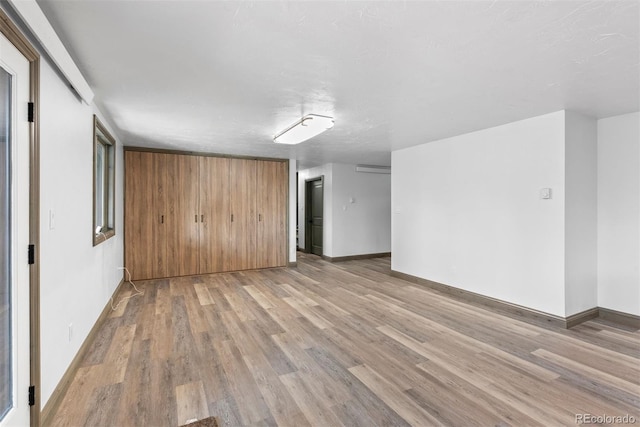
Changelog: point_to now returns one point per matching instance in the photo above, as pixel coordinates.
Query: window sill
(103, 237)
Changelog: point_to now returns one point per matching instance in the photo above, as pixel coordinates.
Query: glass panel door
(6, 351)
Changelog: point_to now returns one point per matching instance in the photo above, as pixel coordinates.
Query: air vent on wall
(373, 169)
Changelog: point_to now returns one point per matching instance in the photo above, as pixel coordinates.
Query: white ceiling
(225, 77)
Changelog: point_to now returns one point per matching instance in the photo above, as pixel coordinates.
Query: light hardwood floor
(341, 344)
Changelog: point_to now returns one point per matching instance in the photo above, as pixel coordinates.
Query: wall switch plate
(52, 219)
(70, 331)
(545, 193)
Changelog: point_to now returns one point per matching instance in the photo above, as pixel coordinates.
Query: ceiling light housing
(306, 128)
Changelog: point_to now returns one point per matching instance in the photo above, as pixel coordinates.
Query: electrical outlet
(70, 331)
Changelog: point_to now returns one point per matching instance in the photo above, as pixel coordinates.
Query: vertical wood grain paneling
(145, 221)
(158, 215)
(184, 218)
(214, 211)
(242, 237)
(188, 214)
(272, 214)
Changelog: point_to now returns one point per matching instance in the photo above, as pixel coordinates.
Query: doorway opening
(314, 195)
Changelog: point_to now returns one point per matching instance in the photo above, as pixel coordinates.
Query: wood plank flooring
(341, 344)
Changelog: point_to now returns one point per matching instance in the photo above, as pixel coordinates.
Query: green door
(314, 216)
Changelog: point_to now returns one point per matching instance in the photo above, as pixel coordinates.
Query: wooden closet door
(183, 217)
(145, 214)
(242, 230)
(272, 214)
(215, 215)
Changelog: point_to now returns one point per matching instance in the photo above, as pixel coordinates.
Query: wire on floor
(138, 291)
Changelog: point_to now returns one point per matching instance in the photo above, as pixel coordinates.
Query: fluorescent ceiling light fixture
(305, 128)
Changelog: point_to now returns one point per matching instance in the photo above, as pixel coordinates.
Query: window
(104, 165)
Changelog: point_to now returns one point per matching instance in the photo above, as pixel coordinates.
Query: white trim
(37, 22)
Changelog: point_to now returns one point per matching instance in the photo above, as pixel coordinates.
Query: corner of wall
(580, 213)
(618, 240)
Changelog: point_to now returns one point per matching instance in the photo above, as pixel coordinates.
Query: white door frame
(16, 66)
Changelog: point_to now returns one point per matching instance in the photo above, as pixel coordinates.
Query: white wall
(76, 279)
(581, 281)
(619, 213)
(361, 212)
(292, 210)
(467, 212)
(327, 225)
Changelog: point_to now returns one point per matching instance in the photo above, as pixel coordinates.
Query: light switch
(52, 219)
(545, 193)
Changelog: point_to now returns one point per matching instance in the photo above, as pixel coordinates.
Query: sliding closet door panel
(272, 214)
(214, 211)
(242, 236)
(183, 218)
(158, 216)
(137, 227)
(145, 206)
(190, 215)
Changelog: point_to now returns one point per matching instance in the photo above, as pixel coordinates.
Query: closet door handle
(196, 217)
(161, 219)
(231, 217)
(259, 217)
(201, 218)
